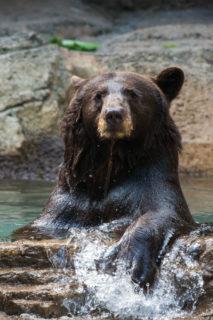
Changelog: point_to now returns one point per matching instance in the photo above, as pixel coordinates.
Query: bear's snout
(114, 116)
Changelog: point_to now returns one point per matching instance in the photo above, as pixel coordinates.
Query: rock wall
(35, 76)
(137, 4)
(150, 49)
(33, 88)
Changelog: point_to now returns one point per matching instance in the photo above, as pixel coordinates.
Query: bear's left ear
(76, 81)
(170, 81)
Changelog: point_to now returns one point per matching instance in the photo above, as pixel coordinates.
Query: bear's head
(120, 107)
(125, 105)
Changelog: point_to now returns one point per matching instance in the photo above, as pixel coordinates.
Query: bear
(121, 160)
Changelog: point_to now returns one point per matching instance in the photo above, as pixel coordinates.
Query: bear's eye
(98, 101)
(98, 97)
(130, 93)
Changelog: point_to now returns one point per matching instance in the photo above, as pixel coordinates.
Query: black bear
(121, 160)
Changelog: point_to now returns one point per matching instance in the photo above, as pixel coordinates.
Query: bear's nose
(114, 116)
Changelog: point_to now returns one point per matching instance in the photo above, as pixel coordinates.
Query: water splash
(114, 295)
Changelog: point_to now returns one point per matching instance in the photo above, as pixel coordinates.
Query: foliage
(170, 45)
(75, 44)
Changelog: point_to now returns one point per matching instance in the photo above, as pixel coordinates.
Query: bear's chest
(122, 200)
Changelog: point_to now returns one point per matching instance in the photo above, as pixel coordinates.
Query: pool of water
(22, 201)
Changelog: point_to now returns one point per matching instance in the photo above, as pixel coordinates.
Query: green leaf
(170, 45)
(75, 44)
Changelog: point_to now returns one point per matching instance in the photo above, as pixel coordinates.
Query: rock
(33, 277)
(190, 270)
(39, 278)
(4, 316)
(116, 5)
(12, 137)
(191, 258)
(33, 89)
(67, 18)
(21, 41)
(37, 254)
(145, 51)
(26, 316)
(35, 76)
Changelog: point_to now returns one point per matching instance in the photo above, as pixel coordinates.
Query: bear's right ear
(76, 82)
(170, 81)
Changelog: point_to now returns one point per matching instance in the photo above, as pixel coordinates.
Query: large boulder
(33, 88)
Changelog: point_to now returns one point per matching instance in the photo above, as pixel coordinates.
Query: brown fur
(121, 159)
(85, 157)
(124, 132)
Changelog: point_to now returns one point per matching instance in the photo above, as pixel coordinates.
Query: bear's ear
(170, 81)
(76, 81)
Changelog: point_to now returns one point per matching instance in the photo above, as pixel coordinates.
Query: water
(22, 201)
(110, 294)
(199, 195)
(114, 296)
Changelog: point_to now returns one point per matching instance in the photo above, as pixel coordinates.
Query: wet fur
(124, 132)
(84, 157)
(105, 179)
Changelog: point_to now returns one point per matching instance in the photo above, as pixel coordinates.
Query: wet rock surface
(55, 279)
(34, 278)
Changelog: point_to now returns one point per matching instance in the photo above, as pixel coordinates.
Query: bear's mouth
(121, 130)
